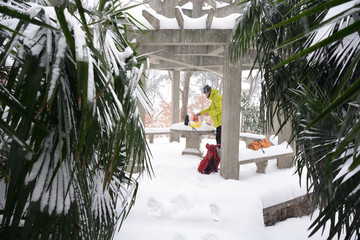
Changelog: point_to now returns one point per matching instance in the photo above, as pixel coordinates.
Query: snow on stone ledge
(182, 127)
(157, 130)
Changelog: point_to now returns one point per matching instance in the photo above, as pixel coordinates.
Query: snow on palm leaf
(309, 56)
(42, 172)
(73, 115)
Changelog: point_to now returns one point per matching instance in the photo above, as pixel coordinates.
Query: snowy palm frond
(69, 109)
(309, 52)
(50, 188)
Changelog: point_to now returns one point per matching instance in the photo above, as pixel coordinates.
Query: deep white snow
(179, 203)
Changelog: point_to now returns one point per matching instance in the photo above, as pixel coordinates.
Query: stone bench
(282, 152)
(151, 132)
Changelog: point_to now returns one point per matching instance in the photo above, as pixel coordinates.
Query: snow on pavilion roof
(186, 35)
(218, 15)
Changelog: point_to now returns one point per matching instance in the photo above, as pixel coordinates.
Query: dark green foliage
(71, 135)
(313, 83)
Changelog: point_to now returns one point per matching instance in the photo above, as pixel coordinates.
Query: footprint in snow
(210, 236)
(155, 208)
(215, 212)
(179, 236)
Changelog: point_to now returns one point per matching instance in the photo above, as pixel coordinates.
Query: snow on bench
(156, 131)
(282, 152)
(250, 137)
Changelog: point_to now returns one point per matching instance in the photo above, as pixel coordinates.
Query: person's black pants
(218, 135)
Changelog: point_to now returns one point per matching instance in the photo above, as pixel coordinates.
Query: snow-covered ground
(179, 203)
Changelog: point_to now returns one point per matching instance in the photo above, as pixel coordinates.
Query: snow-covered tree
(70, 129)
(250, 112)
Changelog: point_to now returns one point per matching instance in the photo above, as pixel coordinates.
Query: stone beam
(179, 18)
(151, 19)
(199, 50)
(203, 55)
(183, 64)
(184, 43)
(199, 54)
(200, 63)
(187, 37)
(197, 59)
(191, 60)
(219, 12)
(211, 50)
(212, 69)
(210, 18)
(217, 69)
(217, 51)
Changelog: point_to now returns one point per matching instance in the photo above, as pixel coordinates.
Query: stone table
(193, 136)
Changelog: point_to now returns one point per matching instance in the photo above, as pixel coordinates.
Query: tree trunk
(185, 95)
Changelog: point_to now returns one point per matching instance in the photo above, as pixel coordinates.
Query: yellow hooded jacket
(215, 108)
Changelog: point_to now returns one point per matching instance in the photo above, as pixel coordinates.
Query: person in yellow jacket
(214, 110)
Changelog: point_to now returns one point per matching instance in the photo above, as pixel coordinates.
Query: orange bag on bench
(257, 144)
(265, 143)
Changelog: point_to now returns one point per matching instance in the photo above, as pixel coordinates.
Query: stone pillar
(141, 108)
(229, 168)
(283, 135)
(175, 99)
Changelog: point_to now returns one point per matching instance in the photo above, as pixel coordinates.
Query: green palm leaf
(314, 85)
(67, 104)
